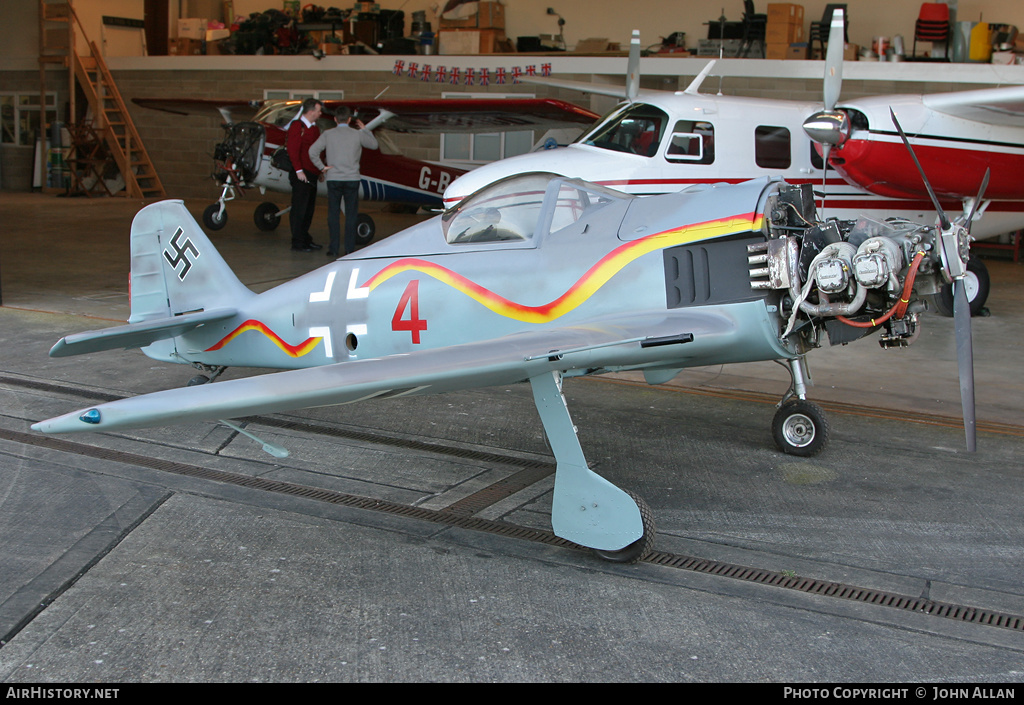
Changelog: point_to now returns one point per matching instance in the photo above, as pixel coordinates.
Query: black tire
(265, 216)
(978, 286)
(800, 428)
(639, 548)
(213, 218)
(365, 230)
(197, 380)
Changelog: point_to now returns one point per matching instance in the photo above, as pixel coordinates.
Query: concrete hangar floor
(408, 540)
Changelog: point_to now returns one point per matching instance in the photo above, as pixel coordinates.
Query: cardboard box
(798, 51)
(776, 51)
(851, 52)
(183, 46)
(490, 15)
(596, 45)
(784, 32)
(213, 35)
(192, 28)
(785, 12)
(333, 48)
(472, 41)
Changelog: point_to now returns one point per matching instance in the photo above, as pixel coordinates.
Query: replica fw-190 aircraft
(534, 278)
(659, 141)
(245, 158)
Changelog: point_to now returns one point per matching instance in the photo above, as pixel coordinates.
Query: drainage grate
(459, 519)
(882, 598)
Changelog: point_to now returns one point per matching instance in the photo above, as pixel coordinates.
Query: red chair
(933, 26)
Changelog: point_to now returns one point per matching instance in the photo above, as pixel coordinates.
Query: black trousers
(339, 192)
(301, 215)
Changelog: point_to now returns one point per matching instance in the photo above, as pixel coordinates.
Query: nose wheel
(800, 428)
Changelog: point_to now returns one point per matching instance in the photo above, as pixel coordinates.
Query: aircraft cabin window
(636, 130)
(692, 142)
(771, 147)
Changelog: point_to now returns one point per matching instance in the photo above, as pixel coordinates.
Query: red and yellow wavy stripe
(584, 287)
(292, 350)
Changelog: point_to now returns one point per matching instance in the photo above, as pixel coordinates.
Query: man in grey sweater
(344, 147)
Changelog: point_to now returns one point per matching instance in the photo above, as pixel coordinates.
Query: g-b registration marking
(439, 184)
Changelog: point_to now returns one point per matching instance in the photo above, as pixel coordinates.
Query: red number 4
(411, 300)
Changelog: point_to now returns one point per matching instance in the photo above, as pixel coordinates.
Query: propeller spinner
(954, 241)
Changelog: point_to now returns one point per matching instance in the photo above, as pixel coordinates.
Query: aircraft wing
(469, 115)
(413, 116)
(609, 89)
(994, 106)
(226, 110)
(505, 360)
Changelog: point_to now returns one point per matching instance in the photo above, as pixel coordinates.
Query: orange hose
(900, 307)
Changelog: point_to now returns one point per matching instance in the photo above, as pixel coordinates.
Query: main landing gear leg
(586, 508)
(800, 427)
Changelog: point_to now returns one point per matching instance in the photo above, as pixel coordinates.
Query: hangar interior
(198, 576)
(180, 147)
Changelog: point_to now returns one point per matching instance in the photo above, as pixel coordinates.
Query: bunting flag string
(467, 76)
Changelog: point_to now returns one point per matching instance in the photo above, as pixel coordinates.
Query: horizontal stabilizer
(136, 335)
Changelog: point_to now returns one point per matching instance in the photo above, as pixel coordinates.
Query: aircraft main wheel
(642, 546)
(197, 380)
(977, 283)
(213, 218)
(365, 230)
(266, 217)
(800, 428)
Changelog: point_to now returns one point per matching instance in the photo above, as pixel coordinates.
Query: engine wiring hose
(899, 309)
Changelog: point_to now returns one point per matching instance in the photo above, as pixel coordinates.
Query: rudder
(175, 269)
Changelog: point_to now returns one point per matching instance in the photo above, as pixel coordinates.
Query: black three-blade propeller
(954, 241)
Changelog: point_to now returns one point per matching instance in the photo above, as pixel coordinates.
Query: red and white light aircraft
(244, 158)
(658, 141)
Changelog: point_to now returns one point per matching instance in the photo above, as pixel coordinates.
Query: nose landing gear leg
(800, 427)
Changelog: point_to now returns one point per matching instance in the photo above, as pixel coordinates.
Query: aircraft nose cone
(828, 127)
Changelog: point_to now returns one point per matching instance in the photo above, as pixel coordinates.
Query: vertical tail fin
(175, 267)
(633, 67)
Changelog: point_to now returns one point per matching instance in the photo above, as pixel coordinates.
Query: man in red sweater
(303, 177)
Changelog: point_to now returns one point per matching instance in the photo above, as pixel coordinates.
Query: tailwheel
(214, 371)
(639, 548)
(800, 428)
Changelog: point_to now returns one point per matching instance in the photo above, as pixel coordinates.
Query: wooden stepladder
(110, 118)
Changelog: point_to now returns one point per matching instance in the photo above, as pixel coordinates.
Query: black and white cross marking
(180, 255)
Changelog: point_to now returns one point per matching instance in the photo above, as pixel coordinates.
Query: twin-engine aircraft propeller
(831, 127)
(954, 241)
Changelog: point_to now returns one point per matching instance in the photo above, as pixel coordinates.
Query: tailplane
(178, 282)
